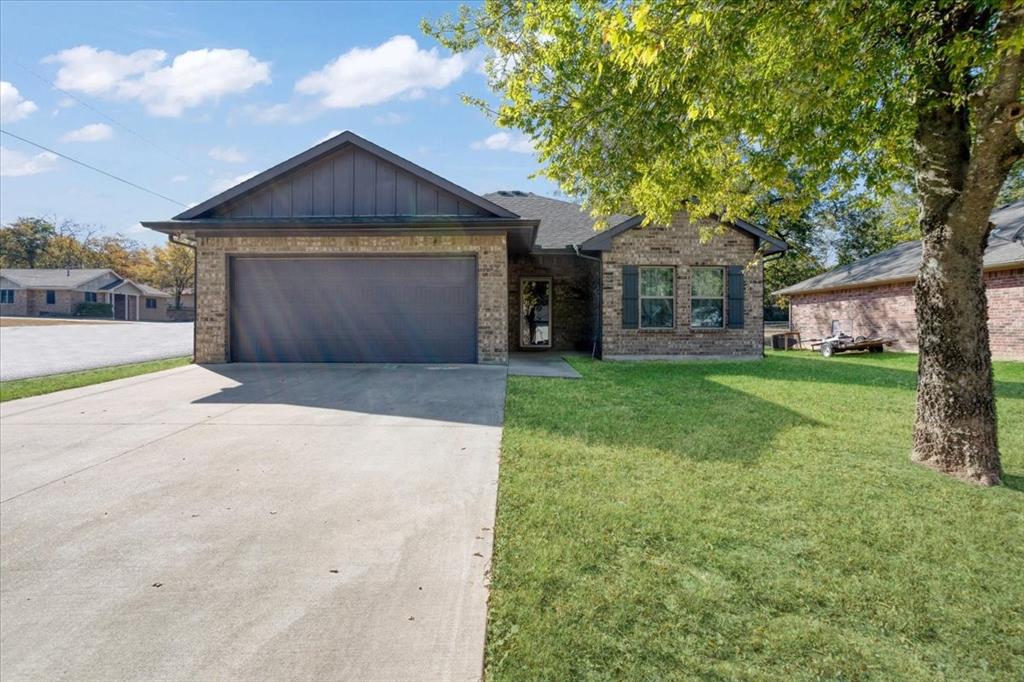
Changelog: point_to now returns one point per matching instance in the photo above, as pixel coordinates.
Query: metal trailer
(843, 343)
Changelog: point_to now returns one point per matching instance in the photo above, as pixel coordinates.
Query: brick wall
(1005, 292)
(679, 245)
(574, 298)
(212, 324)
(888, 310)
(158, 314)
(20, 305)
(65, 302)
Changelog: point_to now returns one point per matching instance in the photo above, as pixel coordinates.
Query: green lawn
(23, 388)
(749, 520)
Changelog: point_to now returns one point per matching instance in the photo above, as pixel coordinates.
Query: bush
(94, 310)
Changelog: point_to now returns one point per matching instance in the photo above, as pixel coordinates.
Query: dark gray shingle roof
(1005, 247)
(562, 223)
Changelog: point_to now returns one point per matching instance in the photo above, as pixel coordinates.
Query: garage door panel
(353, 310)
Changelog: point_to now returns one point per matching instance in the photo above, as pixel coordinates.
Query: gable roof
(72, 278)
(563, 224)
(479, 205)
(900, 263)
(53, 278)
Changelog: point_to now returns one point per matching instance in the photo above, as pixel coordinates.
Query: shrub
(94, 310)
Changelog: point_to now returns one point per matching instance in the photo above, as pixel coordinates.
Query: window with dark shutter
(630, 297)
(735, 297)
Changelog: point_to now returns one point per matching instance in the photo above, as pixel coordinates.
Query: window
(707, 298)
(151, 303)
(6, 295)
(657, 298)
(90, 297)
(51, 297)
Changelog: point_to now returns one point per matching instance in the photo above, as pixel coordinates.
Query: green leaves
(643, 104)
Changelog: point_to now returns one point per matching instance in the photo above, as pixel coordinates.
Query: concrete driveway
(248, 522)
(37, 351)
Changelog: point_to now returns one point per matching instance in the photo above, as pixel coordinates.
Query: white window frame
(725, 295)
(6, 294)
(640, 295)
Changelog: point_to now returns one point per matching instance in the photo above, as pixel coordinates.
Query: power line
(110, 118)
(94, 168)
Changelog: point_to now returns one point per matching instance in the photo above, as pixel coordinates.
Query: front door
(535, 312)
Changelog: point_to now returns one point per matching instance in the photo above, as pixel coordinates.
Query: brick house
(350, 253)
(39, 292)
(875, 295)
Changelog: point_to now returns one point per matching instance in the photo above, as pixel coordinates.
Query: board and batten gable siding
(679, 246)
(349, 182)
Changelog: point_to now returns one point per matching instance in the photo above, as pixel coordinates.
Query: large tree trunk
(963, 152)
(955, 431)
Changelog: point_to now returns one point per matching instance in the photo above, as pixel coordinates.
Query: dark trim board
(519, 234)
(418, 308)
(602, 241)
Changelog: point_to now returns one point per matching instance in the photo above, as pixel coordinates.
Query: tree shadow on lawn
(884, 370)
(670, 408)
(701, 411)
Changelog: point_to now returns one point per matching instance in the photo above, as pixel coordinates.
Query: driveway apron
(251, 522)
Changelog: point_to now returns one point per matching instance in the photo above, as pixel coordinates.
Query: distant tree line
(842, 229)
(46, 243)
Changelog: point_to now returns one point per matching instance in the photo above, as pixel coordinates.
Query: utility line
(94, 168)
(113, 120)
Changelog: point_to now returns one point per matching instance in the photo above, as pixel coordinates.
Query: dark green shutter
(630, 297)
(735, 297)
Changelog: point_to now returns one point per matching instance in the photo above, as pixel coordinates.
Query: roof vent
(513, 193)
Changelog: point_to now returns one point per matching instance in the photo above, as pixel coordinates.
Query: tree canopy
(45, 243)
(640, 104)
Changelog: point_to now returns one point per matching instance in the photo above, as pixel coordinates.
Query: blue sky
(226, 90)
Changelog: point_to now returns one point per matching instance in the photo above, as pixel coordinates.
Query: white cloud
(94, 132)
(179, 178)
(504, 141)
(14, 163)
(397, 67)
(227, 154)
(390, 119)
(228, 183)
(329, 136)
(192, 78)
(13, 107)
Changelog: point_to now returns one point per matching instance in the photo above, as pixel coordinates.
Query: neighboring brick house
(875, 295)
(58, 292)
(348, 253)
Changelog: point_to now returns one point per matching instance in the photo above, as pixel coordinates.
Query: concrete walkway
(251, 522)
(541, 364)
(33, 351)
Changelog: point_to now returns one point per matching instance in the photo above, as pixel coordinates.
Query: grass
(752, 521)
(24, 388)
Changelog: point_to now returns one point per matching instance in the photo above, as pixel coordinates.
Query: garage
(353, 309)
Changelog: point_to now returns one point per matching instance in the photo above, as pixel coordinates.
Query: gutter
(583, 255)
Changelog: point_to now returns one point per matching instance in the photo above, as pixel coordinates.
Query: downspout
(195, 291)
(599, 321)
